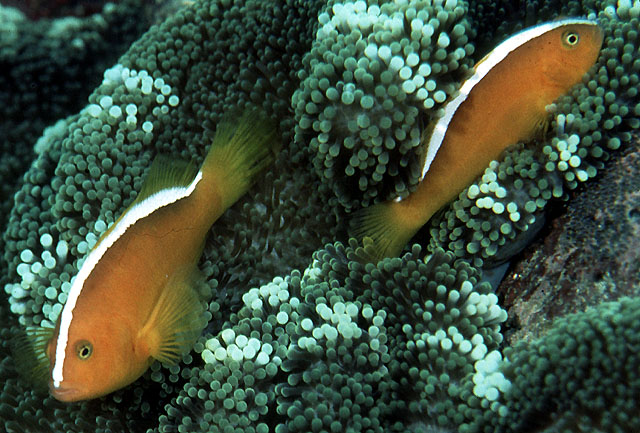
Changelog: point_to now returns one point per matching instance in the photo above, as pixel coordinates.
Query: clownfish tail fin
(386, 232)
(176, 321)
(241, 150)
(30, 356)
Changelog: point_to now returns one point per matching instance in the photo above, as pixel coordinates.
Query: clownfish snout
(64, 393)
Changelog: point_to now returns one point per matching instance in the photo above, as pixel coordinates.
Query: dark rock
(589, 255)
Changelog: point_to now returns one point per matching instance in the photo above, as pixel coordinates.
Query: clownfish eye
(84, 349)
(571, 39)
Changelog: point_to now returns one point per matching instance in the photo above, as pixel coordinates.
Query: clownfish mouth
(63, 393)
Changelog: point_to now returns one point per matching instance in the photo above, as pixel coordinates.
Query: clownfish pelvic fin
(175, 322)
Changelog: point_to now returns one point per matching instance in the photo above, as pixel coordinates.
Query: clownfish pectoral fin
(164, 173)
(241, 150)
(387, 234)
(176, 321)
(29, 349)
(541, 127)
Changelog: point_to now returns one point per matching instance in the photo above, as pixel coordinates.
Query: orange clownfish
(133, 299)
(502, 103)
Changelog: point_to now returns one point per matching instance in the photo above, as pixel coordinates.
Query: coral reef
(302, 335)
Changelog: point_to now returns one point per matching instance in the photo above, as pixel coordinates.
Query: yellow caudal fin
(176, 321)
(380, 223)
(30, 356)
(241, 150)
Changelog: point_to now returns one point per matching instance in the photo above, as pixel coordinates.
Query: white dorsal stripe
(497, 55)
(145, 208)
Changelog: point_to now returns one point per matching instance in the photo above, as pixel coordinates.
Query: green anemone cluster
(347, 347)
(302, 354)
(582, 376)
(50, 68)
(373, 71)
(497, 19)
(490, 217)
(442, 325)
(496, 215)
(47, 72)
(291, 360)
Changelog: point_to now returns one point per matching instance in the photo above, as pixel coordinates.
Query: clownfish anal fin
(382, 232)
(29, 349)
(175, 322)
(166, 172)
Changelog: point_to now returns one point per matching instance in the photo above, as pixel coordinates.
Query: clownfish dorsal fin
(176, 320)
(165, 173)
(482, 60)
(29, 349)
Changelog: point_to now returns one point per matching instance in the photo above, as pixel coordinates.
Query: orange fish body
(134, 299)
(504, 102)
(119, 297)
